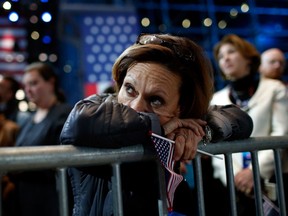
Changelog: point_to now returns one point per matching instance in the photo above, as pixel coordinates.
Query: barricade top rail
(250, 144)
(39, 157)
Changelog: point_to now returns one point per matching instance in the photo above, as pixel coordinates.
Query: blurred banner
(91, 38)
(13, 45)
(105, 35)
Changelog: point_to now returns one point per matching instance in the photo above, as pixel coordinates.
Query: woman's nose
(225, 57)
(139, 105)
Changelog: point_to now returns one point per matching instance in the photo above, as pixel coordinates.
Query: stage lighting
(7, 5)
(46, 17)
(13, 17)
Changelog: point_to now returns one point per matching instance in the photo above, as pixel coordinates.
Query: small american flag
(269, 208)
(165, 150)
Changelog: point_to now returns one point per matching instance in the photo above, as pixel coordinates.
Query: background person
(163, 85)
(36, 192)
(8, 102)
(8, 134)
(265, 100)
(9, 129)
(272, 64)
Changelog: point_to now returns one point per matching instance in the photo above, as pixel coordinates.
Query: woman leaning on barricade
(164, 85)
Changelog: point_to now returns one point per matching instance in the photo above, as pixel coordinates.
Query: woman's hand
(244, 181)
(186, 133)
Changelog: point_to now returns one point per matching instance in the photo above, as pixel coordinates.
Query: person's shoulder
(273, 83)
(222, 91)
(23, 117)
(10, 125)
(100, 98)
(221, 96)
(272, 86)
(64, 106)
(60, 110)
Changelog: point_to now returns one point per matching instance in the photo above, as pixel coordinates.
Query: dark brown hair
(196, 73)
(47, 72)
(14, 84)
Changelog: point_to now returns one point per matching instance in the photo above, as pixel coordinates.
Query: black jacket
(101, 122)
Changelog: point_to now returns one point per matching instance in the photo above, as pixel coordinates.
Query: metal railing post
(117, 190)
(279, 182)
(199, 185)
(257, 184)
(162, 202)
(1, 192)
(230, 184)
(61, 181)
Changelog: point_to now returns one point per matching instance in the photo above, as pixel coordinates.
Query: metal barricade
(61, 157)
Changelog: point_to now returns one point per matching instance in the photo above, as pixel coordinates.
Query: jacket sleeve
(228, 122)
(104, 123)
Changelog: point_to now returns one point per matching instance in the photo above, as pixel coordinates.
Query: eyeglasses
(181, 52)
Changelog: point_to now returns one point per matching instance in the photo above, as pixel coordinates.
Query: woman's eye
(156, 101)
(32, 83)
(231, 51)
(129, 89)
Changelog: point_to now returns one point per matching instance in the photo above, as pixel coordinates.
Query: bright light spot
(46, 17)
(33, 7)
(34, 19)
(35, 35)
(7, 5)
(20, 94)
(162, 28)
(145, 22)
(233, 12)
(20, 58)
(244, 8)
(186, 23)
(8, 58)
(222, 24)
(46, 39)
(67, 68)
(207, 22)
(53, 58)
(23, 106)
(32, 106)
(13, 17)
(43, 57)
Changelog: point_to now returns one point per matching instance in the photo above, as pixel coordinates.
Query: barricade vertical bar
(116, 190)
(230, 183)
(257, 184)
(162, 203)
(199, 185)
(62, 191)
(279, 182)
(1, 176)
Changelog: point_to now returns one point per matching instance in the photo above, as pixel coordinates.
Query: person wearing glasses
(163, 85)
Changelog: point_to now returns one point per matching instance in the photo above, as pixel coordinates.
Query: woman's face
(150, 87)
(36, 88)
(232, 63)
